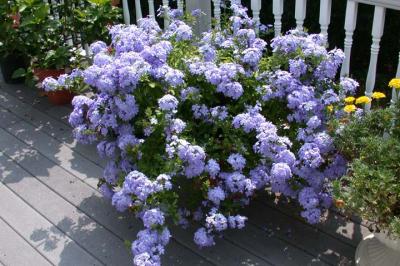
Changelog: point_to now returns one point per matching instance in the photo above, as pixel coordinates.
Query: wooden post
(325, 16)
(300, 13)
(394, 91)
(127, 16)
(349, 26)
(166, 9)
(152, 13)
(256, 7)
(204, 23)
(217, 12)
(277, 9)
(138, 9)
(377, 31)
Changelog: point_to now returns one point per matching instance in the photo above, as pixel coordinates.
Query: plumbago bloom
(210, 119)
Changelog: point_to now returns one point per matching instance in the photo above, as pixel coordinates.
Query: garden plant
(194, 128)
(371, 144)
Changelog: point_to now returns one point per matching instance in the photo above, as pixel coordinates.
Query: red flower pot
(42, 73)
(60, 97)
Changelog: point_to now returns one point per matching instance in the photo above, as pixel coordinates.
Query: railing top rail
(392, 4)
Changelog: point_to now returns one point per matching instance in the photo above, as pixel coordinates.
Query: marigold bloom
(378, 95)
(350, 108)
(339, 203)
(395, 83)
(363, 99)
(349, 99)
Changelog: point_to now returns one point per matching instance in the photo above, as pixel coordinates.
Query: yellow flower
(378, 95)
(330, 108)
(349, 99)
(363, 99)
(350, 108)
(395, 83)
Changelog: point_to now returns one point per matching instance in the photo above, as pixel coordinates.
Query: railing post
(256, 7)
(377, 31)
(394, 91)
(166, 9)
(217, 12)
(300, 13)
(138, 9)
(325, 16)
(277, 9)
(350, 26)
(204, 22)
(127, 16)
(152, 12)
(180, 5)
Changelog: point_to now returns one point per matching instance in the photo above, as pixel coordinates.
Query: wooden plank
(54, 245)
(348, 230)
(57, 152)
(93, 237)
(48, 125)
(90, 201)
(306, 237)
(269, 247)
(14, 250)
(7, 118)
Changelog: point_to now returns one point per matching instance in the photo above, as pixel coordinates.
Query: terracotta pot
(378, 249)
(42, 73)
(60, 97)
(115, 2)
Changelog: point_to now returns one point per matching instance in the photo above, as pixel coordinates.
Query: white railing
(300, 15)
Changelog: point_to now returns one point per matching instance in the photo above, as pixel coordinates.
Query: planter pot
(42, 73)
(115, 2)
(60, 97)
(378, 250)
(11, 63)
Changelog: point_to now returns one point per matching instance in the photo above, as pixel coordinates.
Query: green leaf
(19, 73)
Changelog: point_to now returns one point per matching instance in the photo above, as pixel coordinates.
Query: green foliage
(371, 187)
(93, 19)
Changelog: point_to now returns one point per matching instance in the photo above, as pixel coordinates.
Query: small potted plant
(60, 91)
(371, 187)
(52, 63)
(20, 23)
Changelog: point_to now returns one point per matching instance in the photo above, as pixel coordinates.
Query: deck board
(54, 245)
(37, 141)
(12, 244)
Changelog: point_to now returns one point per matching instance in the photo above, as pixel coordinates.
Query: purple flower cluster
(210, 121)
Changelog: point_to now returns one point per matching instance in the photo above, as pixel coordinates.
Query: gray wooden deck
(52, 214)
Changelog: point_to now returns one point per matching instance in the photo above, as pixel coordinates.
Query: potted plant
(21, 21)
(371, 187)
(60, 91)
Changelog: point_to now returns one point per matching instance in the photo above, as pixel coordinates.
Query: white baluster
(377, 31)
(166, 8)
(277, 9)
(54, 6)
(180, 5)
(151, 8)
(138, 9)
(127, 16)
(300, 13)
(394, 91)
(217, 12)
(256, 7)
(325, 16)
(349, 26)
